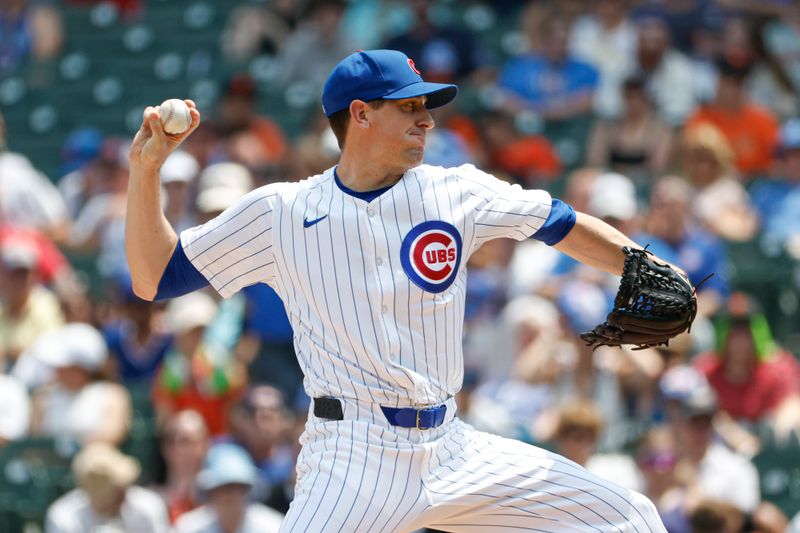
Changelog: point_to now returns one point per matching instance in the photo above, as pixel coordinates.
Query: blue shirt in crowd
(266, 316)
(545, 84)
(136, 363)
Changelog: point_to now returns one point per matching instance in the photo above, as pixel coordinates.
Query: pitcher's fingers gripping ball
(653, 304)
(175, 116)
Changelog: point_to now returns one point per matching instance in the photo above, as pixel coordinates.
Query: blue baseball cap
(380, 74)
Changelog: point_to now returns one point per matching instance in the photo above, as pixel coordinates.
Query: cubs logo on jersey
(431, 255)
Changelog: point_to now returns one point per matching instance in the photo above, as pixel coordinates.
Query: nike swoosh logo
(308, 223)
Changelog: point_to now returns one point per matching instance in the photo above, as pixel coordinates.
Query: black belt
(407, 417)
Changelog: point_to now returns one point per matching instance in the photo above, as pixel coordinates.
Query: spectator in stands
(611, 197)
(205, 145)
(705, 36)
(667, 71)
(637, 144)
(606, 39)
(686, 18)
(137, 340)
(445, 147)
(576, 437)
(657, 458)
(82, 174)
(767, 83)
(443, 53)
(261, 424)
(716, 516)
(780, 37)
(262, 28)
(27, 197)
(529, 158)
(778, 199)
(249, 137)
(78, 404)
(533, 265)
(106, 498)
(100, 226)
(184, 444)
(549, 81)
(53, 271)
(719, 472)
(319, 29)
(15, 409)
(697, 251)
(577, 431)
(315, 151)
(196, 374)
(219, 186)
(28, 30)
(751, 130)
(267, 346)
(486, 294)
(177, 175)
(227, 477)
(516, 398)
(721, 202)
(755, 380)
(711, 515)
(598, 376)
(27, 309)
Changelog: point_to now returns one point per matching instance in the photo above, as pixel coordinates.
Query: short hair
(715, 516)
(706, 136)
(579, 415)
(183, 419)
(341, 119)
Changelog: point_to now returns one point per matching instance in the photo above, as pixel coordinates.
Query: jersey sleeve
(235, 249)
(502, 209)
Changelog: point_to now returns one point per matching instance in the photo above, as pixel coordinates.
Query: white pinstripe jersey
(374, 290)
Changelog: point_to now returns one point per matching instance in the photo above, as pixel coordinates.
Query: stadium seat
(74, 66)
(138, 38)
(778, 466)
(769, 274)
(33, 472)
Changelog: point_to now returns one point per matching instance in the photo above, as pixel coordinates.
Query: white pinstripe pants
(363, 475)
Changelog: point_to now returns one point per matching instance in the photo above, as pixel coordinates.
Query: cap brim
(438, 94)
(208, 480)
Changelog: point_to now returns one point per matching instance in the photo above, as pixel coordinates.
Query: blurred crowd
(677, 122)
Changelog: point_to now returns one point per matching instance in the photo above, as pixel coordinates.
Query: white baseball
(175, 116)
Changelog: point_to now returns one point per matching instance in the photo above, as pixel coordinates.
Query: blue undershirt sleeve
(560, 221)
(180, 277)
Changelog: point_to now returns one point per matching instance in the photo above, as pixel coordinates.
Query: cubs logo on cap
(431, 255)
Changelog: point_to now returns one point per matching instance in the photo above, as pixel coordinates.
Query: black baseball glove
(653, 304)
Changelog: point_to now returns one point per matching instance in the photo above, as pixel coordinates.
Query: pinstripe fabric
(359, 476)
(363, 328)
(375, 292)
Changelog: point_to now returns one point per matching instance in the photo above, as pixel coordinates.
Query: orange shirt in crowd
(752, 131)
(532, 158)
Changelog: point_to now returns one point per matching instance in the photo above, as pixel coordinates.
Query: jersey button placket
(384, 275)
